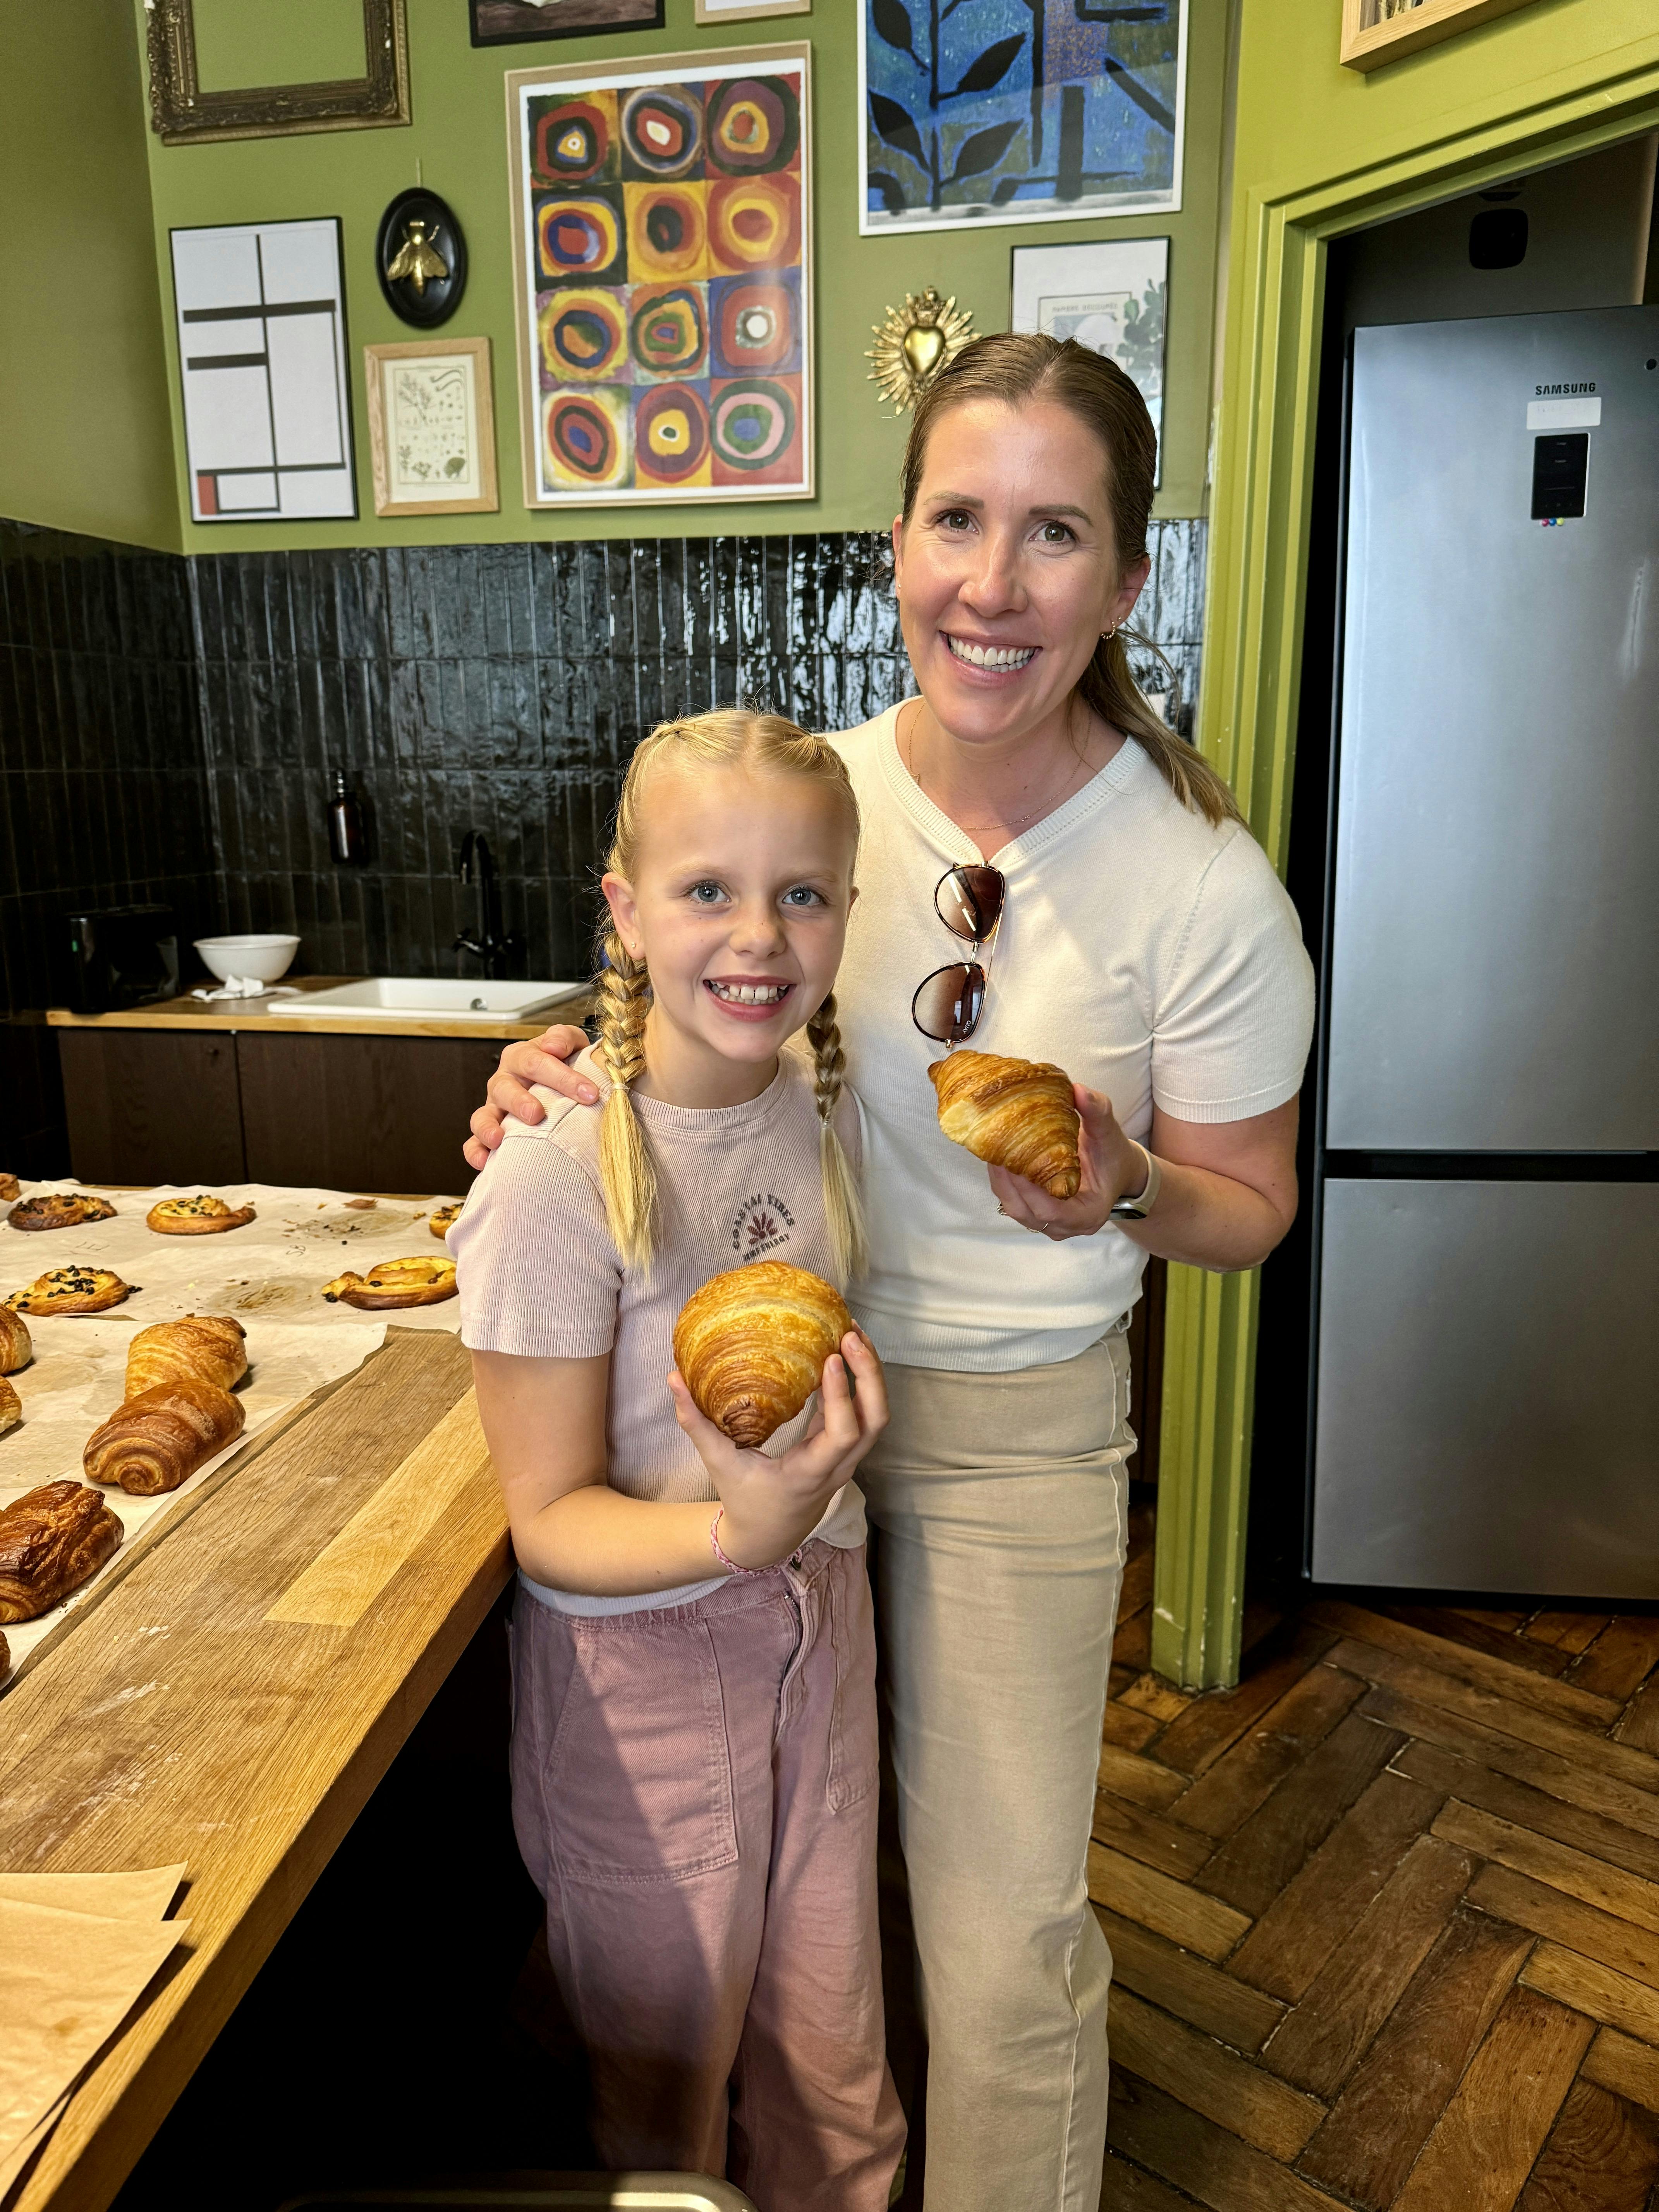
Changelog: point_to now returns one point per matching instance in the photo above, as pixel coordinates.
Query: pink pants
(694, 1791)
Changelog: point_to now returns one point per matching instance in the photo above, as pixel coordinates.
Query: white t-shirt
(539, 1276)
(1154, 958)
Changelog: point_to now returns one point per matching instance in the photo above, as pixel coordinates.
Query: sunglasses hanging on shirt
(949, 1004)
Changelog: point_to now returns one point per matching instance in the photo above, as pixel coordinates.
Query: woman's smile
(990, 660)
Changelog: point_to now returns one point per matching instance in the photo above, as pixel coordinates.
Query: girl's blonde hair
(764, 745)
(1015, 367)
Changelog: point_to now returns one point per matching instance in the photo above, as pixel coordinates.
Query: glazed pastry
(11, 1406)
(201, 1216)
(158, 1439)
(71, 1291)
(441, 1216)
(60, 1209)
(395, 1283)
(751, 1346)
(202, 1347)
(9, 1188)
(52, 1539)
(16, 1350)
(1013, 1114)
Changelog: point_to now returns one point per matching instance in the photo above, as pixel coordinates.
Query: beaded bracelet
(793, 1560)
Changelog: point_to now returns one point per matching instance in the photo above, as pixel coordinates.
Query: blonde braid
(843, 1209)
(629, 1180)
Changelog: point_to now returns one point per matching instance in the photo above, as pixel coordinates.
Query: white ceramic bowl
(265, 957)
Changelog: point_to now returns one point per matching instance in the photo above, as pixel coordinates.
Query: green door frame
(1256, 589)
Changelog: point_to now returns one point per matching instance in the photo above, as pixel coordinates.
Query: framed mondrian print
(662, 250)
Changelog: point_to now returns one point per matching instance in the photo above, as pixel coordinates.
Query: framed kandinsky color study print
(662, 253)
(1017, 110)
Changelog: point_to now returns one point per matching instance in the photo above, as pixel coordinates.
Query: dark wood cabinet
(352, 1113)
(363, 1113)
(153, 1105)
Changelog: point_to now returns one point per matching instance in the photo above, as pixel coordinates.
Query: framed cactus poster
(1018, 111)
(662, 245)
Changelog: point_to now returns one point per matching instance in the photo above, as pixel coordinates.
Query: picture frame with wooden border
(432, 432)
(1371, 37)
(748, 11)
(182, 114)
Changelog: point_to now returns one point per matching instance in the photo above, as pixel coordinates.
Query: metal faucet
(477, 865)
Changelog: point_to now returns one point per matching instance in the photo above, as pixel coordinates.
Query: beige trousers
(1001, 1506)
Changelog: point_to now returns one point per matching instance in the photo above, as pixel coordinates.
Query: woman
(1045, 872)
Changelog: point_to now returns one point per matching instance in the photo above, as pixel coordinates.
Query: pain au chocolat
(1013, 1114)
(751, 1346)
(70, 1290)
(52, 1541)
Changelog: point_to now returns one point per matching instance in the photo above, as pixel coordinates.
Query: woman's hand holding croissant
(772, 1506)
(1110, 1166)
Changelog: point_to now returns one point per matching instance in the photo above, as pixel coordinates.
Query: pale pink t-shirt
(540, 1277)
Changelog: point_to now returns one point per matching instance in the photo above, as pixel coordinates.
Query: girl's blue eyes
(710, 894)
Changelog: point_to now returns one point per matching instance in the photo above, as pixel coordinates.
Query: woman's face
(1007, 569)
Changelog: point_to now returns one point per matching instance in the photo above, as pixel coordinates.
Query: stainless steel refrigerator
(1486, 1356)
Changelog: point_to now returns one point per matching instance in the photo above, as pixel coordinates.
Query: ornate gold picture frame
(182, 114)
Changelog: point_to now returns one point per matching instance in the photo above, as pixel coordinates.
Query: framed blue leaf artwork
(1018, 111)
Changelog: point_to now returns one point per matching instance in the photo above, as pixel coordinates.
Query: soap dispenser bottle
(345, 821)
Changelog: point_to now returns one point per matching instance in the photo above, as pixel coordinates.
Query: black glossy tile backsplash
(103, 791)
(502, 688)
(169, 726)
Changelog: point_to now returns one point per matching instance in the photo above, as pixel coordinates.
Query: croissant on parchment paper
(1013, 1114)
(17, 1345)
(204, 1347)
(178, 1410)
(52, 1539)
(751, 1346)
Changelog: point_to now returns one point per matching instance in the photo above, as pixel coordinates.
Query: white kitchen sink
(406, 998)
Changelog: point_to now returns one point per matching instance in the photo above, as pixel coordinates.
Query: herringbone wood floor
(1385, 1919)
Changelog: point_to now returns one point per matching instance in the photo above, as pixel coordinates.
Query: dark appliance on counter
(1483, 1410)
(119, 957)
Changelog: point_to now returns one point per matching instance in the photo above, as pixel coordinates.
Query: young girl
(694, 1749)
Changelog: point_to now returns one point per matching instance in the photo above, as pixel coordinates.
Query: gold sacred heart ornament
(913, 343)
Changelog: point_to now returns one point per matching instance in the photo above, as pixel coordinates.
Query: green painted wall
(88, 439)
(459, 137)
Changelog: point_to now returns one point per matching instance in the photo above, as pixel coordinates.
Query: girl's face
(1007, 569)
(738, 903)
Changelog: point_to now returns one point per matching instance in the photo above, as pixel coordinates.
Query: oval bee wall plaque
(419, 257)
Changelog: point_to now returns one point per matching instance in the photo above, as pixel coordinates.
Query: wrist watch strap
(1137, 1208)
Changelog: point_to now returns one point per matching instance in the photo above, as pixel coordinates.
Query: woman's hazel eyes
(1057, 534)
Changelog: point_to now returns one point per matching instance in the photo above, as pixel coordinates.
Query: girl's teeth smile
(988, 656)
(751, 995)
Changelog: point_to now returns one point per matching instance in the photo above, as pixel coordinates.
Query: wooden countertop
(288, 1015)
(236, 1697)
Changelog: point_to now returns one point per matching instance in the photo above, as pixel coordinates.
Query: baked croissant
(11, 1406)
(11, 1188)
(202, 1347)
(52, 1539)
(1013, 1114)
(202, 1215)
(158, 1439)
(16, 1346)
(751, 1346)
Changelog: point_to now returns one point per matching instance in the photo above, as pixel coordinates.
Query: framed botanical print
(662, 253)
(1110, 296)
(431, 426)
(1017, 110)
(510, 22)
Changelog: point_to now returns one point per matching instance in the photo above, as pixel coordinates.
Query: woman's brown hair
(1016, 365)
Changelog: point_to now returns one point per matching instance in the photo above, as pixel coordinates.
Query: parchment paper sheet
(67, 1981)
(268, 1275)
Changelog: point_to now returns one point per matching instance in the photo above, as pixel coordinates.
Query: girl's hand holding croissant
(1109, 1163)
(772, 1506)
